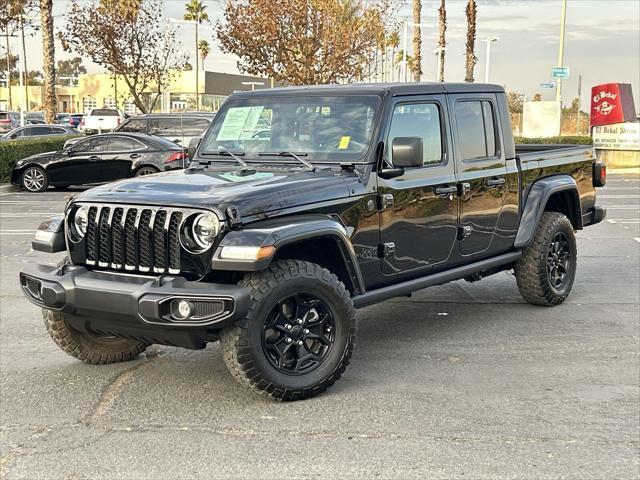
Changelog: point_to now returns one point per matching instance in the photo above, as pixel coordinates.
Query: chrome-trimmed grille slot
(138, 238)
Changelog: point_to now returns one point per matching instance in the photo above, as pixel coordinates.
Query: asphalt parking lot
(461, 381)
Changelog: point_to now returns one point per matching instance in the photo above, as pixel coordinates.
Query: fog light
(181, 309)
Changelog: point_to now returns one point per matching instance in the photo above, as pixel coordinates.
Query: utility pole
(563, 20)
(23, 68)
(489, 41)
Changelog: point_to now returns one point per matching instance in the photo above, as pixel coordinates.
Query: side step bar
(385, 293)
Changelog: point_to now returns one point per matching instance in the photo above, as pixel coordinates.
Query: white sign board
(618, 136)
(541, 119)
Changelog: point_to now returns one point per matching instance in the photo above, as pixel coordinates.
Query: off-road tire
(242, 342)
(87, 347)
(531, 270)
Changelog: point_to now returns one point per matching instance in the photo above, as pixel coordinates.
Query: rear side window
(136, 125)
(123, 144)
(165, 127)
(419, 120)
(193, 127)
(95, 144)
(476, 129)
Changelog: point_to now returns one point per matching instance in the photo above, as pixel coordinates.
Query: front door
(81, 164)
(419, 216)
(482, 171)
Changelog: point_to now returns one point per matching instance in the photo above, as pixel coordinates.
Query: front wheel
(547, 268)
(34, 179)
(299, 334)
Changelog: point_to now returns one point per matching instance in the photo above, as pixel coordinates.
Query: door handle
(495, 182)
(446, 191)
(94, 158)
(134, 155)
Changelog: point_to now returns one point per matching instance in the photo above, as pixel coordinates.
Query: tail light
(6, 120)
(177, 156)
(599, 174)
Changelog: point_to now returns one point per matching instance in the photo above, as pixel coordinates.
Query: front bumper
(135, 306)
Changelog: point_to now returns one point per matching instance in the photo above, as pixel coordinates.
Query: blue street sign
(560, 72)
(548, 85)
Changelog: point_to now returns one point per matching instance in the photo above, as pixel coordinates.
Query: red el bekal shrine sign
(612, 103)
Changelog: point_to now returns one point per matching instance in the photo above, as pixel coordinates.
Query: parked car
(34, 118)
(178, 128)
(359, 194)
(63, 118)
(8, 120)
(101, 120)
(38, 131)
(98, 159)
(75, 119)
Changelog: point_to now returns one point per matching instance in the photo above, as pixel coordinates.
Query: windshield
(325, 128)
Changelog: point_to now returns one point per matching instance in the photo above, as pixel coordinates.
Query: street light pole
(23, 93)
(489, 41)
(563, 20)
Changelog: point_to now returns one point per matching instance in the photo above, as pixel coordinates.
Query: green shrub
(577, 140)
(13, 150)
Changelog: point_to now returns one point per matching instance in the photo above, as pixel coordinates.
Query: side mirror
(407, 152)
(193, 146)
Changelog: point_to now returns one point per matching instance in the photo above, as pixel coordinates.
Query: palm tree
(417, 41)
(471, 59)
(195, 12)
(49, 60)
(393, 41)
(442, 13)
(204, 49)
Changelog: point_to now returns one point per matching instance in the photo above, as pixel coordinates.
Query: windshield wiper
(228, 153)
(297, 156)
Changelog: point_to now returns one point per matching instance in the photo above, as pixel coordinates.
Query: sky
(602, 42)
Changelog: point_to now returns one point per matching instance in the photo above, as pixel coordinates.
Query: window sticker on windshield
(344, 142)
(239, 123)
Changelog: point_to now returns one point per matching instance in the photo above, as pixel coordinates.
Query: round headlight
(80, 220)
(204, 229)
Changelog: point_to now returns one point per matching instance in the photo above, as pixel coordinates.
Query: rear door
(482, 170)
(81, 164)
(419, 217)
(120, 154)
(166, 127)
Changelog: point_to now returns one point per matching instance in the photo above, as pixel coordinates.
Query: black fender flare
(536, 201)
(284, 231)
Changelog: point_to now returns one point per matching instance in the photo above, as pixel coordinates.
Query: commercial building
(101, 90)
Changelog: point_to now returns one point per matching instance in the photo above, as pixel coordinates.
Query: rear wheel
(90, 348)
(299, 335)
(547, 268)
(34, 179)
(142, 171)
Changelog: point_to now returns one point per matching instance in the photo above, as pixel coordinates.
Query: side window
(136, 125)
(96, 144)
(58, 131)
(165, 127)
(419, 120)
(193, 127)
(123, 144)
(476, 129)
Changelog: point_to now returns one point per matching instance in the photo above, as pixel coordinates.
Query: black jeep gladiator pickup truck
(301, 205)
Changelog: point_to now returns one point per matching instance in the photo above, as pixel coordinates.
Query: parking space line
(17, 232)
(624, 221)
(618, 196)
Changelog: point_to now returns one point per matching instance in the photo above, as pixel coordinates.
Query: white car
(100, 120)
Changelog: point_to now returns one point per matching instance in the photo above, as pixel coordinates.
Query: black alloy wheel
(559, 260)
(298, 334)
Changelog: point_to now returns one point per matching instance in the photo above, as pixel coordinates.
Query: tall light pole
(563, 20)
(23, 68)
(489, 41)
(403, 71)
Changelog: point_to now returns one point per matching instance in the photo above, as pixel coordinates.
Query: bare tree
(138, 48)
(442, 43)
(471, 58)
(49, 60)
(417, 41)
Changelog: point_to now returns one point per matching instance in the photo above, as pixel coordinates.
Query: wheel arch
(319, 239)
(558, 193)
(140, 166)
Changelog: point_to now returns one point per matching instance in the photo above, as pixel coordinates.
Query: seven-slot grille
(136, 238)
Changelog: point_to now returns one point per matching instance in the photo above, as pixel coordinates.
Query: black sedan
(98, 159)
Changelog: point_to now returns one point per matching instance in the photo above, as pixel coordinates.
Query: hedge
(13, 150)
(578, 140)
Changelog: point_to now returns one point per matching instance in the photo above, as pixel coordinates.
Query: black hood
(253, 194)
